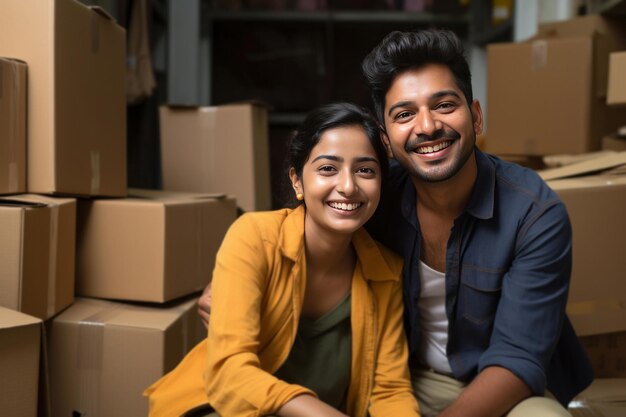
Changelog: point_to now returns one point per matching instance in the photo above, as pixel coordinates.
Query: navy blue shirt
(508, 264)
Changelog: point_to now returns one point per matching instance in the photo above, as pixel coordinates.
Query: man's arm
(491, 394)
(204, 305)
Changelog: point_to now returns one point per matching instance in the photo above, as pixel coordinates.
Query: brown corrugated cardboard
(584, 167)
(76, 129)
(596, 205)
(617, 79)
(547, 95)
(37, 244)
(12, 126)
(20, 345)
(153, 246)
(104, 354)
(607, 353)
(614, 143)
(596, 305)
(604, 398)
(218, 149)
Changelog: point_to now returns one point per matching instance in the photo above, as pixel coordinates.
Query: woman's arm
(236, 385)
(308, 406)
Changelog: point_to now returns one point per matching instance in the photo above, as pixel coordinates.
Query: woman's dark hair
(401, 51)
(323, 118)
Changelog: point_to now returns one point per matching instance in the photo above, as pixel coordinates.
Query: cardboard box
(617, 79)
(12, 126)
(20, 344)
(596, 201)
(37, 253)
(153, 246)
(217, 149)
(104, 354)
(607, 353)
(548, 95)
(596, 205)
(76, 129)
(603, 398)
(614, 143)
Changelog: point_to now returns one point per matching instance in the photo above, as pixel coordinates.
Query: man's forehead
(427, 82)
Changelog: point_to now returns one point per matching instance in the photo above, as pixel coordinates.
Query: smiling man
(487, 245)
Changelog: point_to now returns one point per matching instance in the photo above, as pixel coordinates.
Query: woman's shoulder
(267, 224)
(376, 256)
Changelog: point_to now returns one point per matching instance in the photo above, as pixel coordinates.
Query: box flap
(125, 314)
(554, 161)
(166, 194)
(585, 167)
(11, 318)
(580, 26)
(15, 202)
(99, 10)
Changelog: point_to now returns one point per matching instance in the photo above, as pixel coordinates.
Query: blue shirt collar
(481, 201)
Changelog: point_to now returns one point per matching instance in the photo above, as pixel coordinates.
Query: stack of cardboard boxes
(98, 279)
(561, 96)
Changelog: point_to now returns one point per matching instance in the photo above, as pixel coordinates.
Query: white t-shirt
(432, 305)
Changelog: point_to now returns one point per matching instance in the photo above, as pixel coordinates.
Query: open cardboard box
(594, 193)
(596, 202)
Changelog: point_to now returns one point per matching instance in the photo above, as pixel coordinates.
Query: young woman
(306, 317)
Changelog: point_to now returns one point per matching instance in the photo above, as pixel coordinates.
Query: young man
(487, 245)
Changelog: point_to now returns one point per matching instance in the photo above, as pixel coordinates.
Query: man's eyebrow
(436, 95)
(331, 157)
(444, 93)
(398, 104)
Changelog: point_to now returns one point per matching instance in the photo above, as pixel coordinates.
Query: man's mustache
(415, 142)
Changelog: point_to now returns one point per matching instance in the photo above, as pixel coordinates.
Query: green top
(321, 354)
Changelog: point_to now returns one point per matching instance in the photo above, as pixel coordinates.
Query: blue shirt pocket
(479, 294)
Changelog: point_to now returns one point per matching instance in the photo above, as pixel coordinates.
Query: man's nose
(425, 123)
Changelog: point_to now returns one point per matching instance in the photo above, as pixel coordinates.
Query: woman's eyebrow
(331, 157)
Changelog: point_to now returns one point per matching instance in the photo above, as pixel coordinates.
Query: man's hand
(204, 305)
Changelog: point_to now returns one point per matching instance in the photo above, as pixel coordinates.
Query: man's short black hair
(401, 51)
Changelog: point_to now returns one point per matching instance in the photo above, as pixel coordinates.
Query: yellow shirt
(258, 290)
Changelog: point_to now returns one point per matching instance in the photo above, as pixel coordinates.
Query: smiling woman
(306, 315)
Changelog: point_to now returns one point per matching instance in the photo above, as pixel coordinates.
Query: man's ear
(385, 139)
(477, 117)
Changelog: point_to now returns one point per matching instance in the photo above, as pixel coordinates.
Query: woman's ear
(296, 183)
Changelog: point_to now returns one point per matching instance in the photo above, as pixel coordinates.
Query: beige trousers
(435, 392)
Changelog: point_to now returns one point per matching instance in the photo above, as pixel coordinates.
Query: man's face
(430, 128)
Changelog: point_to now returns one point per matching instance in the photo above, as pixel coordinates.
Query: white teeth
(344, 206)
(436, 148)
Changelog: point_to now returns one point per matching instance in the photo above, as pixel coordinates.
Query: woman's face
(340, 181)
